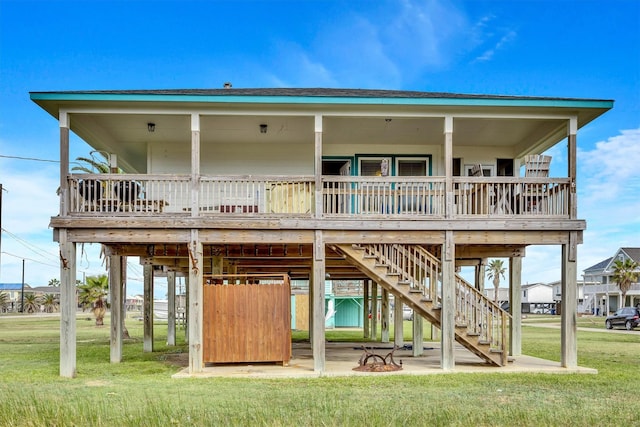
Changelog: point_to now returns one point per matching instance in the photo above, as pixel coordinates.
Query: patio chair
(536, 166)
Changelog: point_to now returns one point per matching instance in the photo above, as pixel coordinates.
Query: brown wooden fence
(247, 319)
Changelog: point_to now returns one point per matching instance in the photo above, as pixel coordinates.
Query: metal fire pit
(371, 362)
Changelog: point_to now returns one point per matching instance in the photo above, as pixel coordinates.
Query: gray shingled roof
(310, 92)
(599, 266)
(633, 253)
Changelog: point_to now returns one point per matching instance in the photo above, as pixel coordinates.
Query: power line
(30, 259)
(31, 247)
(29, 158)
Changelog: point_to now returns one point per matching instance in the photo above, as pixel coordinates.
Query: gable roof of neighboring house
(13, 286)
(599, 266)
(534, 285)
(633, 253)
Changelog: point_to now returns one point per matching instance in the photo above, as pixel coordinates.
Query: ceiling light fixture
(263, 128)
(151, 127)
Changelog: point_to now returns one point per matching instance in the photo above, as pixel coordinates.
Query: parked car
(629, 317)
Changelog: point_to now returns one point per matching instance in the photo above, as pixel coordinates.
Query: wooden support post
(171, 308)
(365, 308)
(374, 311)
(384, 317)
(117, 318)
(196, 298)
(398, 323)
(147, 304)
(515, 306)
(68, 306)
(447, 314)
(318, 303)
(418, 335)
(186, 309)
(569, 316)
(481, 272)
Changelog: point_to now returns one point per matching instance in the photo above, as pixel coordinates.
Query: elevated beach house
(241, 190)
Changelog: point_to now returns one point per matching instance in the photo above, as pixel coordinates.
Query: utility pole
(22, 293)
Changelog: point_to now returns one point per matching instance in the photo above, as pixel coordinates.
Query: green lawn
(140, 391)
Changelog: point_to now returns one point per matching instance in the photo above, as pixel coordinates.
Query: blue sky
(558, 48)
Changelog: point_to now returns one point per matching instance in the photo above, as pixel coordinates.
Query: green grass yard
(141, 392)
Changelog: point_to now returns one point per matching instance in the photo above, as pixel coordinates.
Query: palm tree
(624, 274)
(92, 165)
(4, 301)
(54, 282)
(495, 270)
(93, 296)
(50, 303)
(31, 303)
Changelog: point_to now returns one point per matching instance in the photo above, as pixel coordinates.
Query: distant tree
(31, 303)
(495, 270)
(4, 301)
(93, 296)
(624, 274)
(50, 303)
(54, 282)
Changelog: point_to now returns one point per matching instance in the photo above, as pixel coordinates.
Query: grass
(140, 391)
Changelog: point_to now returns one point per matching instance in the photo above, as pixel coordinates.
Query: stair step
(415, 291)
(425, 299)
(484, 342)
(473, 334)
(365, 256)
(392, 274)
(495, 350)
(404, 282)
(461, 326)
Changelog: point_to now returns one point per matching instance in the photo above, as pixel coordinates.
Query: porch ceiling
(127, 135)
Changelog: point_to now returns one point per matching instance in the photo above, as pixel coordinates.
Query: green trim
(482, 102)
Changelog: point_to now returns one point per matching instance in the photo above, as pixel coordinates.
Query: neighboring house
(603, 295)
(396, 187)
(14, 291)
(538, 298)
(557, 294)
(40, 291)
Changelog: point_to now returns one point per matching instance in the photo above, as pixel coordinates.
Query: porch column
(515, 306)
(63, 122)
(195, 164)
(68, 306)
(171, 308)
(398, 323)
(448, 166)
(374, 311)
(568, 332)
(318, 340)
(196, 355)
(384, 316)
(365, 305)
(448, 311)
(572, 150)
(147, 307)
(117, 318)
(318, 166)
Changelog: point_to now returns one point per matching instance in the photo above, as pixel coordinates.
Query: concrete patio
(342, 357)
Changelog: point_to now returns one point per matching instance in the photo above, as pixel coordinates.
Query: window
(412, 166)
(372, 166)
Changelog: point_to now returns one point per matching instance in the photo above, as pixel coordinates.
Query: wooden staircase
(413, 275)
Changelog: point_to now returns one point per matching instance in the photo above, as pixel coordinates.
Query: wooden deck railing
(342, 196)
